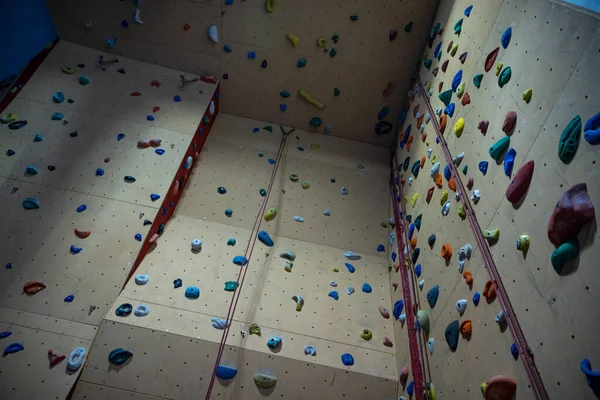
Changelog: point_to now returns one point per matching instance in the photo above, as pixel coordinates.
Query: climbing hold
(408, 27)
(504, 77)
(37, 137)
(592, 130)
(456, 80)
(270, 214)
(444, 197)
(213, 34)
(468, 278)
(69, 298)
(505, 39)
(298, 218)
(383, 113)
(483, 126)
(499, 387)
(76, 359)
(142, 279)
(380, 248)
(384, 312)
(151, 118)
(449, 110)
(476, 297)
(350, 290)
(32, 287)
(13, 348)
(57, 116)
(389, 88)
(427, 63)
(490, 60)
(124, 310)
(263, 380)
(192, 292)
(119, 356)
(310, 100)
(310, 350)
(398, 307)
(137, 236)
(334, 295)
(129, 179)
(350, 267)
(509, 160)
(418, 269)
(451, 335)
(393, 35)
(58, 97)
(84, 80)
(458, 27)
(415, 255)
(351, 255)
(434, 170)
(461, 211)
(483, 167)
(177, 283)
(141, 311)
(459, 127)
(366, 334)
(475, 196)
(571, 213)
(466, 328)
(491, 234)
(466, 99)
(274, 342)
(228, 213)
(431, 240)
(568, 250)
(220, 324)
(497, 149)
(463, 57)
(592, 377)
(414, 199)
(366, 288)
(569, 140)
(432, 295)
(454, 49)
(31, 170)
(464, 254)
(230, 286)
(55, 357)
(240, 261)
(514, 351)
(446, 208)
(446, 96)
(265, 238)
(347, 359)
(519, 185)
(288, 255)
(461, 306)
(415, 168)
(344, 190)
(446, 252)
(489, 291)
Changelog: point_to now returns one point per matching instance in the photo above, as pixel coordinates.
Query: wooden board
(365, 63)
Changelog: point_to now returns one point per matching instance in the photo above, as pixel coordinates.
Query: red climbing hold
(466, 99)
(155, 84)
(520, 183)
(135, 94)
(440, 31)
(187, 27)
(416, 110)
(572, 212)
(490, 60)
(155, 109)
(155, 142)
(435, 71)
(389, 88)
(510, 121)
(393, 34)
(445, 65)
(107, 160)
(82, 234)
(402, 182)
(33, 287)
(470, 183)
(209, 79)
(395, 285)
(483, 126)
(143, 144)
(387, 342)
(404, 377)
(384, 312)
(449, 46)
(440, 86)
(55, 357)
(429, 194)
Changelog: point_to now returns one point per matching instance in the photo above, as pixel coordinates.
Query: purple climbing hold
(138, 237)
(150, 118)
(81, 208)
(154, 196)
(120, 136)
(350, 267)
(160, 152)
(75, 250)
(177, 99)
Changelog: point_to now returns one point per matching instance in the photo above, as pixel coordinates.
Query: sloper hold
(265, 239)
(489, 291)
(424, 321)
(499, 388)
(477, 80)
(569, 140)
(504, 77)
(418, 221)
(13, 348)
(398, 307)
(432, 295)
(240, 260)
(446, 96)
(505, 39)
(592, 130)
(32, 287)
(592, 377)
(456, 80)
(451, 335)
(497, 149)
(224, 372)
(571, 213)
(459, 127)
(119, 356)
(520, 183)
(265, 381)
(460, 90)
(490, 60)
(569, 250)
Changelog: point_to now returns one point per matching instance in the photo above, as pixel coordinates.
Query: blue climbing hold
(252, 55)
(81, 208)
(75, 250)
(240, 260)
(69, 298)
(592, 377)
(13, 348)
(380, 248)
(154, 196)
(58, 97)
(57, 116)
(334, 295)
(176, 99)
(509, 161)
(592, 130)
(31, 170)
(432, 295)
(120, 136)
(283, 107)
(221, 190)
(350, 267)
(138, 237)
(431, 240)
(229, 213)
(418, 221)
(415, 168)
(5, 334)
(456, 80)
(124, 23)
(450, 109)
(406, 162)
(177, 283)
(394, 255)
(411, 231)
(415, 255)
(30, 203)
(347, 359)
(124, 310)
(8, 266)
(398, 307)
(150, 118)
(483, 167)
(505, 40)
(274, 342)
(447, 173)
(468, 11)
(99, 172)
(437, 49)
(255, 130)
(476, 297)
(514, 350)
(225, 372)
(70, 101)
(121, 70)
(265, 238)
(367, 288)
(437, 140)
(227, 48)
(119, 356)
(418, 269)
(410, 389)
(271, 161)
(192, 292)
(383, 113)
(10, 152)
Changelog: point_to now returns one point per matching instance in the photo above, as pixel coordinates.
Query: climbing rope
(244, 269)
(511, 319)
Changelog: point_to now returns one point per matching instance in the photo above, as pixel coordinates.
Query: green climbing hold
(254, 329)
(262, 192)
(477, 80)
(30, 203)
(569, 140)
(305, 185)
(408, 27)
(230, 286)
(264, 381)
(465, 169)
(268, 128)
(427, 63)
(458, 26)
(336, 92)
(301, 63)
(316, 121)
(285, 94)
(569, 250)
(498, 148)
(335, 38)
(270, 214)
(294, 177)
(446, 96)
(504, 77)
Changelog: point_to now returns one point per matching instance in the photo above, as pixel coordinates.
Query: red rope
(244, 269)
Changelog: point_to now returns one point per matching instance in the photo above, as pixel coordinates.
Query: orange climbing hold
(466, 329)
(468, 278)
(413, 242)
(443, 122)
(499, 388)
(155, 109)
(420, 120)
(438, 180)
(452, 184)
(447, 252)
(409, 143)
(82, 234)
(424, 136)
(388, 89)
(489, 291)
(429, 194)
(423, 159)
(32, 287)
(416, 110)
(155, 84)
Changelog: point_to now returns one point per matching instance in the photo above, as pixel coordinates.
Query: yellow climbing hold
(322, 43)
(305, 185)
(294, 177)
(414, 199)
(433, 158)
(444, 197)
(88, 24)
(527, 95)
(427, 142)
(366, 334)
(254, 329)
(67, 69)
(288, 266)
(335, 270)
(430, 391)
(314, 146)
(461, 211)
(454, 49)
(405, 200)
(459, 127)
(428, 86)
(460, 90)
(499, 68)
(492, 235)
(270, 5)
(310, 100)
(270, 214)
(293, 38)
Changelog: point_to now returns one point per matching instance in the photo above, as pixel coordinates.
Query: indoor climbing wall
(77, 195)
(331, 197)
(511, 87)
(363, 49)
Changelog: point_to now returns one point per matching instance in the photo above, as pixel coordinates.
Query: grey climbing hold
(218, 323)
(213, 34)
(298, 218)
(349, 290)
(327, 212)
(142, 279)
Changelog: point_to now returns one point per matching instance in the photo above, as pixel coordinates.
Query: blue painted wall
(25, 28)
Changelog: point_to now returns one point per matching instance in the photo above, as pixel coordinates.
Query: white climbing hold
(427, 118)
(429, 151)
(188, 162)
(327, 212)
(196, 245)
(422, 129)
(141, 311)
(431, 345)
(419, 113)
(333, 283)
(446, 208)
(464, 254)
(475, 196)
(438, 111)
(430, 92)
(421, 284)
(457, 195)
(410, 181)
(458, 159)
(402, 318)
(461, 306)
(350, 290)
(76, 359)
(136, 17)
(142, 279)
(500, 318)
(298, 218)
(213, 34)
(218, 323)
(435, 170)
(351, 255)
(344, 190)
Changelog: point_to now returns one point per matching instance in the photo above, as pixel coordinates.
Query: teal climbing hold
(415, 168)
(58, 97)
(569, 250)
(446, 96)
(301, 63)
(418, 221)
(458, 27)
(240, 261)
(504, 77)
(497, 149)
(230, 286)
(435, 30)
(427, 63)
(84, 80)
(274, 342)
(192, 292)
(408, 27)
(569, 140)
(451, 334)
(285, 94)
(432, 295)
(119, 356)
(477, 80)
(231, 242)
(31, 170)
(57, 116)
(316, 121)
(30, 203)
